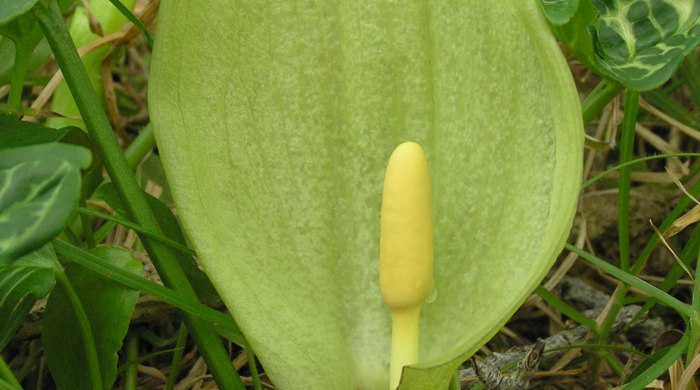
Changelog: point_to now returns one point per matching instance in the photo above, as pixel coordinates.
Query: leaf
(15, 133)
(10, 9)
(277, 167)
(74, 155)
(22, 283)
(39, 190)
(658, 364)
(559, 12)
(638, 43)
(108, 305)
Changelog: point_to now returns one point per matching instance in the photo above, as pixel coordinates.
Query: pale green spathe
(275, 121)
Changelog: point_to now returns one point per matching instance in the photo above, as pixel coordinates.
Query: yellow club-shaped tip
(406, 251)
(406, 242)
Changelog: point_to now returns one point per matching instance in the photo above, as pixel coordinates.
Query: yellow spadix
(406, 250)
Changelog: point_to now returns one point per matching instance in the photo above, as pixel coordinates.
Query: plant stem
(19, 71)
(131, 195)
(626, 153)
(694, 333)
(629, 123)
(86, 222)
(177, 357)
(255, 376)
(404, 342)
(626, 149)
(93, 362)
(601, 95)
(130, 373)
(694, 322)
(140, 146)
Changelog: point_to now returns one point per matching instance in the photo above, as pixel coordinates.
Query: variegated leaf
(639, 43)
(39, 191)
(22, 283)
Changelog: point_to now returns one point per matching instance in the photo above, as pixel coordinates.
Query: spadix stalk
(406, 250)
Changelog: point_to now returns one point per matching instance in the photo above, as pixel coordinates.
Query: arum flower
(275, 122)
(406, 251)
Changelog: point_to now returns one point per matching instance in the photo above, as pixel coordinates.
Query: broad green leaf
(75, 155)
(10, 9)
(15, 133)
(275, 124)
(109, 306)
(5, 385)
(559, 12)
(22, 283)
(39, 190)
(639, 43)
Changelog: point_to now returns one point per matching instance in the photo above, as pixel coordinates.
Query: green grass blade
(634, 281)
(618, 167)
(133, 19)
(137, 228)
(564, 308)
(22, 283)
(624, 184)
(657, 369)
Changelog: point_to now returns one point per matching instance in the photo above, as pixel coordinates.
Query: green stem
(19, 71)
(255, 376)
(601, 95)
(404, 342)
(616, 304)
(694, 323)
(626, 154)
(86, 222)
(177, 357)
(629, 123)
(140, 146)
(131, 195)
(8, 376)
(694, 334)
(93, 363)
(131, 372)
